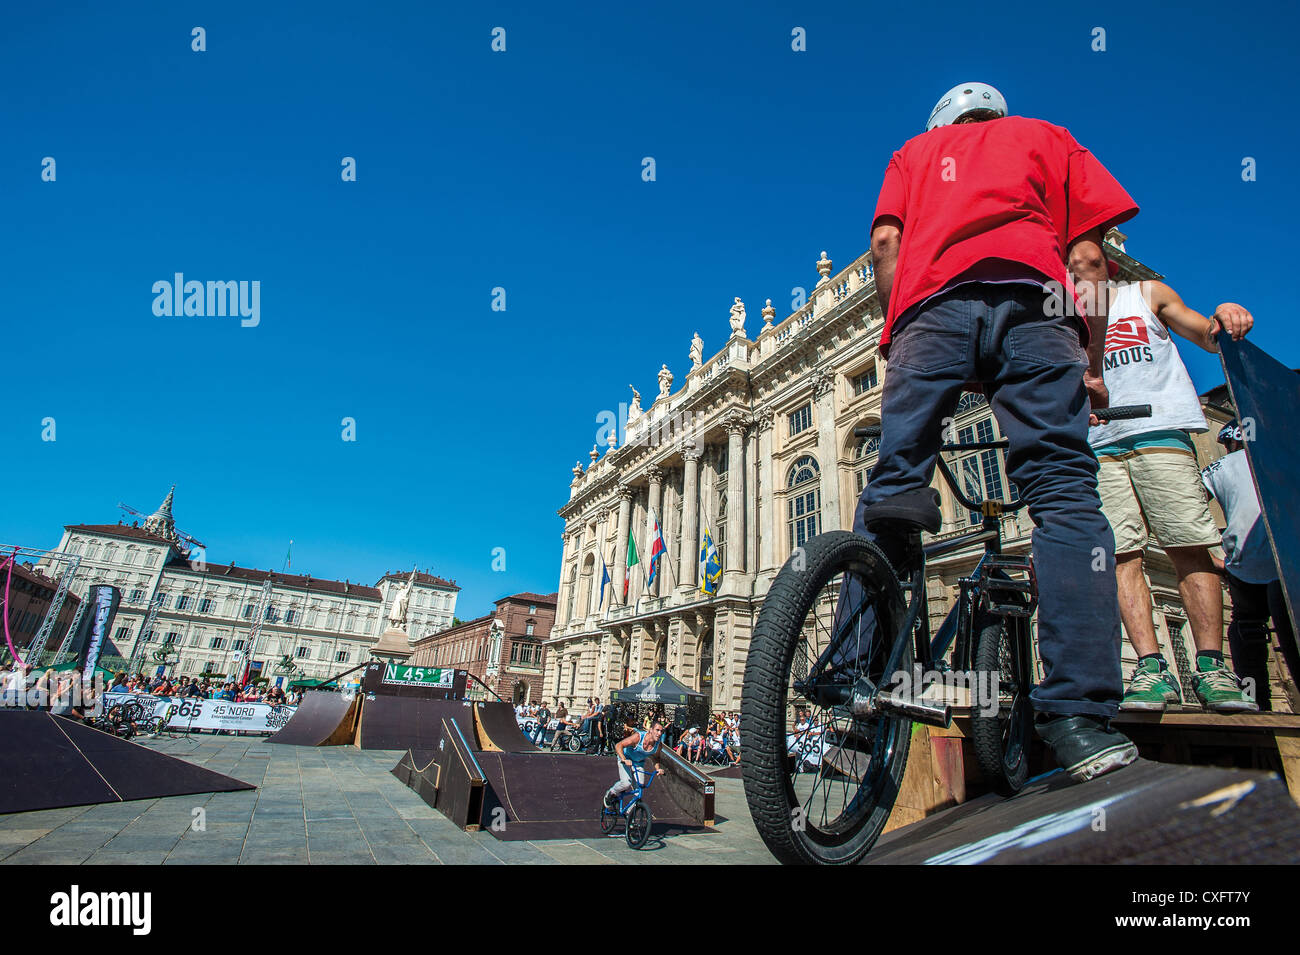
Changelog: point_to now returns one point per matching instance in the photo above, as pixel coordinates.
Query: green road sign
(402, 675)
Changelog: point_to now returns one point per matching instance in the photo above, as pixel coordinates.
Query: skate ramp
(50, 761)
(323, 718)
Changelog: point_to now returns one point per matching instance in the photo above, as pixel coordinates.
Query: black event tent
(659, 687)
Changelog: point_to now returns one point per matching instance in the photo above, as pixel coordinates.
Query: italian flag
(632, 560)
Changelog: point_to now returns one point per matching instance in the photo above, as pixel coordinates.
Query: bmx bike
(845, 638)
(632, 810)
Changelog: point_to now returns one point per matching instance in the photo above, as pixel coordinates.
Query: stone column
(827, 452)
(735, 557)
(624, 523)
(751, 502)
(603, 557)
(562, 603)
(656, 476)
(688, 559)
(602, 669)
(767, 517)
(593, 600)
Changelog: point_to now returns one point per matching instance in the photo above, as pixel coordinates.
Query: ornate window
(800, 420)
(720, 530)
(864, 458)
(982, 474)
(866, 381)
(804, 503)
(970, 401)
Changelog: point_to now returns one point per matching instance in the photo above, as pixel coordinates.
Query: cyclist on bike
(981, 224)
(632, 754)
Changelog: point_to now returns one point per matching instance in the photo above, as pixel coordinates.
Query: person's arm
(1169, 307)
(886, 239)
(1087, 265)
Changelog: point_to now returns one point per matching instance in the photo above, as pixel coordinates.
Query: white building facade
(206, 613)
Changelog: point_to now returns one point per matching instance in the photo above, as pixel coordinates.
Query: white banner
(197, 714)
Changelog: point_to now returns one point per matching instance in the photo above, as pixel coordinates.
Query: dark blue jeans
(1031, 367)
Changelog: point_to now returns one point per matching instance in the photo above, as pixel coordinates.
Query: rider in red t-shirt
(981, 222)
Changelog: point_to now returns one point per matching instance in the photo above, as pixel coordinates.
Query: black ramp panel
(406, 722)
(499, 730)
(558, 796)
(1267, 393)
(41, 769)
(49, 761)
(1145, 814)
(319, 716)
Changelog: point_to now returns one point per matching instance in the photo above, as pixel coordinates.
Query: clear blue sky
(520, 170)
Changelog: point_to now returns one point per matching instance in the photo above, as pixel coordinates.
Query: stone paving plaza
(328, 805)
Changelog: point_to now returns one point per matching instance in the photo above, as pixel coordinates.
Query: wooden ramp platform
(1145, 814)
(942, 771)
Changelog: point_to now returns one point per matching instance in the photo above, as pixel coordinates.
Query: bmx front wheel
(829, 621)
(638, 826)
(1001, 714)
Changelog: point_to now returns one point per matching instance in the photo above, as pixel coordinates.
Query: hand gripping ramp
(1145, 814)
(50, 761)
(498, 731)
(323, 718)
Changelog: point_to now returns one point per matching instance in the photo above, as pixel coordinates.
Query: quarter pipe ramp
(323, 718)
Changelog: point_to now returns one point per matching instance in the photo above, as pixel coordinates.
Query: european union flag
(710, 565)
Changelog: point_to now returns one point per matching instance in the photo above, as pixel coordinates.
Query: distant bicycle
(588, 741)
(634, 813)
(124, 720)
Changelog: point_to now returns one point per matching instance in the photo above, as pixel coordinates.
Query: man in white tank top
(1150, 485)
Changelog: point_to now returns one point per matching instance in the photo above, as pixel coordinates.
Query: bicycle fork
(866, 699)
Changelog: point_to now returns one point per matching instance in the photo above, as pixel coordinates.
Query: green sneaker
(1152, 688)
(1218, 688)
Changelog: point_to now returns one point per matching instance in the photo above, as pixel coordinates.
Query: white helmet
(967, 98)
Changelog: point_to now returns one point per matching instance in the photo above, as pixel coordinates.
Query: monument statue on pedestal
(738, 319)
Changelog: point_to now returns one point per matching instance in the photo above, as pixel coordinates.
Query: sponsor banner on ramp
(190, 713)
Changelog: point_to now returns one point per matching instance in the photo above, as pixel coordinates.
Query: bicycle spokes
(834, 756)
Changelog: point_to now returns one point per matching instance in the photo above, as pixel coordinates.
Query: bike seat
(920, 507)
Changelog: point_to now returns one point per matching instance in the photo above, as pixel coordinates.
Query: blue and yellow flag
(710, 565)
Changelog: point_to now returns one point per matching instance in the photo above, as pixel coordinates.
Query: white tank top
(1142, 367)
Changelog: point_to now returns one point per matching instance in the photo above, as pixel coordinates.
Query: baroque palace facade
(205, 613)
(758, 445)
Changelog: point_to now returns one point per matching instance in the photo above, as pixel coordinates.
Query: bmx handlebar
(1116, 413)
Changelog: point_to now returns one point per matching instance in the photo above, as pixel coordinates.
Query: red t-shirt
(1014, 188)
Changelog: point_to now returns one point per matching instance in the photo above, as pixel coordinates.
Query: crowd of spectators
(600, 726)
(66, 693)
(204, 688)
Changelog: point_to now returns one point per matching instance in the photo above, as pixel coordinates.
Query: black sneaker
(1086, 746)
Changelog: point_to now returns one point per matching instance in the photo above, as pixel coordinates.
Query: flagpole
(667, 559)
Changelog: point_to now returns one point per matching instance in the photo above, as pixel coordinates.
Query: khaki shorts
(1156, 491)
